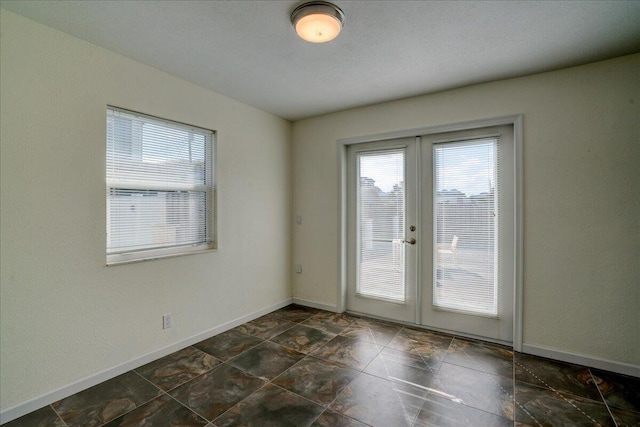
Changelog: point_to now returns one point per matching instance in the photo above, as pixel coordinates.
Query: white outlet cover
(166, 321)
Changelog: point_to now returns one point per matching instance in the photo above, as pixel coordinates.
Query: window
(465, 226)
(160, 188)
(381, 218)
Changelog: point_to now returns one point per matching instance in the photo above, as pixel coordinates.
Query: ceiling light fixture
(317, 21)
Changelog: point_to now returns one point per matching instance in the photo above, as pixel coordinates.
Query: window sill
(132, 257)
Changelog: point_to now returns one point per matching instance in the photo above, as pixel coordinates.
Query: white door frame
(516, 122)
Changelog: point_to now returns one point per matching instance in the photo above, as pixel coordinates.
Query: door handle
(411, 241)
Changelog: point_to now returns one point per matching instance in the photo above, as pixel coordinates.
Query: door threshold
(432, 329)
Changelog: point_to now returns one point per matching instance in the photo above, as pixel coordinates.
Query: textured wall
(581, 197)
(66, 316)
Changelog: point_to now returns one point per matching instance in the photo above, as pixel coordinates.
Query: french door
(431, 231)
(382, 266)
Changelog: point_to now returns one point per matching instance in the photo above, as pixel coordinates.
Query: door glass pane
(465, 226)
(381, 217)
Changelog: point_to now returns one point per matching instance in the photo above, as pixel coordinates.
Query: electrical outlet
(166, 321)
(298, 219)
(298, 268)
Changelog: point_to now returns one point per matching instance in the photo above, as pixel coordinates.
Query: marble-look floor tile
(559, 376)
(317, 380)
(429, 346)
(348, 352)
(265, 327)
(295, 313)
(396, 365)
(625, 418)
(228, 345)
(333, 419)
(620, 391)
(329, 322)
(379, 402)
(323, 314)
(303, 339)
(267, 361)
(480, 390)
(106, 401)
(537, 406)
(163, 411)
(370, 330)
(213, 393)
(439, 411)
(44, 417)
(178, 368)
(372, 373)
(271, 406)
(493, 359)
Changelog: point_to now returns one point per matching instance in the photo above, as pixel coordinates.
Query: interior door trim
(517, 122)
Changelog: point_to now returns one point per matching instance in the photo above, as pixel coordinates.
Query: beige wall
(581, 197)
(66, 316)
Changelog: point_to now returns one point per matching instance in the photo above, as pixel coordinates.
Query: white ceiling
(388, 50)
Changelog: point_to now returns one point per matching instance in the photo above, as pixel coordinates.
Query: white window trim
(174, 251)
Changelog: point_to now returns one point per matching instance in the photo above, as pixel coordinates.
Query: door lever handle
(411, 241)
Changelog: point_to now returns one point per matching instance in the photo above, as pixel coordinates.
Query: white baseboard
(16, 411)
(313, 304)
(581, 359)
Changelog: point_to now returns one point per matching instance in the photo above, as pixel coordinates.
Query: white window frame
(211, 197)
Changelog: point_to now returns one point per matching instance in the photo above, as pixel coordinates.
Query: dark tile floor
(305, 367)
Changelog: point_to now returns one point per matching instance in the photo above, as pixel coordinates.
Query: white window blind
(381, 217)
(465, 226)
(160, 194)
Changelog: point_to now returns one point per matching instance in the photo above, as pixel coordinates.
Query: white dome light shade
(318, 28)
(317, 22)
